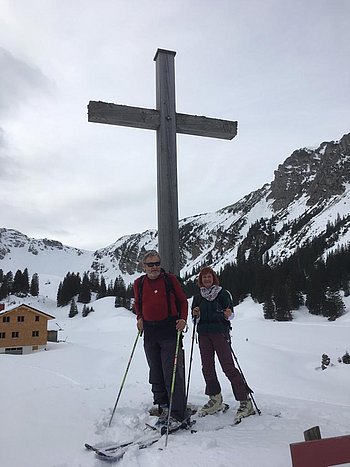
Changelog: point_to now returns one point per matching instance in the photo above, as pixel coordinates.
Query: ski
(118, 451)
(113, 446)
(106, 446)
(234, 424)
(115, 451)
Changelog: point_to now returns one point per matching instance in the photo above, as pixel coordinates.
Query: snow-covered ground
(53, 402)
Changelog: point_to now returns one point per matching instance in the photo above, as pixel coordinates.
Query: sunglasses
(150, 265)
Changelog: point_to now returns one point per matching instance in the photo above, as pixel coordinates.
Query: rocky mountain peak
(318, 173)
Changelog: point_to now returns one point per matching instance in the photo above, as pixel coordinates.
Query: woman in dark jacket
(213, 309)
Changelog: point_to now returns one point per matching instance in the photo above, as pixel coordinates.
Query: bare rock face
(333, 172)
(317, 173)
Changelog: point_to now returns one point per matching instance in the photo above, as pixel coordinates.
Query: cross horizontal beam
(149, 119)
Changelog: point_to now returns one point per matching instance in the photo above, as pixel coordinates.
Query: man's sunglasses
(150, 265)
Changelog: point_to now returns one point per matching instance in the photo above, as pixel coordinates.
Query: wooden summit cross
(167, 122)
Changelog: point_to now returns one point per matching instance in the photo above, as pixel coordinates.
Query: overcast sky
(278, 67)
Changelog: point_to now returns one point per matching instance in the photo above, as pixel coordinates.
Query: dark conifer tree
(269, 308)
(346, 358)
(3, 290)
(283, 309)
(94, 282)
(84, 311)
(59, 295)
(76, 282)
(294, 297)
(103, 289)
(282, 300)
(8, 280)
(6, 285)
(332, 305)
(25, 282)
(316, 287)
(69, 288)
(119, 285)
(17, 282)
(262, 281)
(85, 291)
(129, 291)
(34, 285)
(110, 289)
(325, 361)
(73, 311)
(119, 289)
(190, 288)
(345, 284)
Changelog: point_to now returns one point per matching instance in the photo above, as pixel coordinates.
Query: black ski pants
(160, 345)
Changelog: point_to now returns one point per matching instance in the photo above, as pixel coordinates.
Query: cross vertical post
(168, 216)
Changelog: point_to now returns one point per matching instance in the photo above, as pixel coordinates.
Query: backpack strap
(169, 288)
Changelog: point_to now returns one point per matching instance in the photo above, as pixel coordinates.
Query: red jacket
(154, 299)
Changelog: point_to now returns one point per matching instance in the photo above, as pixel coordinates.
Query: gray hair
(149, 254)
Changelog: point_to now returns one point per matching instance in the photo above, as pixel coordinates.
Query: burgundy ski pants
(219, 344)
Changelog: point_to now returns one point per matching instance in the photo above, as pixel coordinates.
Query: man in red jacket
(161, 309)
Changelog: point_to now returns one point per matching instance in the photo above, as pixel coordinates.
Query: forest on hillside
(305, 278)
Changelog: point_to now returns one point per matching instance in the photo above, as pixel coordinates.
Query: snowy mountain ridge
(310, 190)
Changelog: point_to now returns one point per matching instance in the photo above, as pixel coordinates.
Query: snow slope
(53, 402)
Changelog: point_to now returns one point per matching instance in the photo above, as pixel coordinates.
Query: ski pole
(191, 359)
(172, 384)
(124, 377)
(245, 381)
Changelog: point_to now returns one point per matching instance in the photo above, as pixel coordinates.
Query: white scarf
(211, 293)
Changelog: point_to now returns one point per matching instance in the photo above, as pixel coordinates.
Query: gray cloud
(20, 83)
(18, 80)
(8, 165)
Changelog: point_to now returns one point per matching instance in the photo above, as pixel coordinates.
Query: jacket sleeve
(181, 297)
(195, 301)
(226, 301)
(137, 299)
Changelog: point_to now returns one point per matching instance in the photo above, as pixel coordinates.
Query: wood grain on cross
(167, 122)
